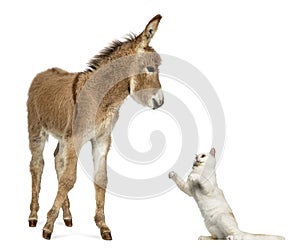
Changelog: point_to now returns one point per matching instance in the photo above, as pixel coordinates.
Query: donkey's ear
(149, 31)
(213, 152)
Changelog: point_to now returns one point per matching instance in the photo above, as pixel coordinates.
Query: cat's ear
(213, 152)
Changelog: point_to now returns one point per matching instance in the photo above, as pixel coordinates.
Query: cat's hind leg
(235, 237)
(229, 227)
(207, 237)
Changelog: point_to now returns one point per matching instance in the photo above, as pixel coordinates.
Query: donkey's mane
(104, 54)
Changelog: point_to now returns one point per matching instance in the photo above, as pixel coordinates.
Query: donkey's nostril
(157, 99)
(155, 103)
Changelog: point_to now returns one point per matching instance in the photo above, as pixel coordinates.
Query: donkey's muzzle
(156, 104)
(157, 100)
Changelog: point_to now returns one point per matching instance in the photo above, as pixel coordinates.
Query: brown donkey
(80, 107)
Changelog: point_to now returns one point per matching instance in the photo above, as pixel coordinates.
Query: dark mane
(104, 54)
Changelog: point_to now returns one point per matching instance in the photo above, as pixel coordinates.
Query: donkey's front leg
(100, 149)
(65, 184)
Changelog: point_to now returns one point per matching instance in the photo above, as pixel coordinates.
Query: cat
(218, 217)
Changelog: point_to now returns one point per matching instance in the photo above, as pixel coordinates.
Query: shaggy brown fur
(80, 107)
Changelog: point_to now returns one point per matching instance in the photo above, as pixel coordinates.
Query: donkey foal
(80, 107)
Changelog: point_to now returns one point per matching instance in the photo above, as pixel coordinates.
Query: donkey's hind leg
(65, 184)
(59, 167)
(37, 139)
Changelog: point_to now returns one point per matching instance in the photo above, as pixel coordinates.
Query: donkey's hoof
(68, 222)
(106, 235)
(46, 235)
(32, 223)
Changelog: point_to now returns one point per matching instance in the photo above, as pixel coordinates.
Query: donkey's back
(51, 101)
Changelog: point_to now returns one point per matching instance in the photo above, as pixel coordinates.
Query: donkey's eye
(150, 69)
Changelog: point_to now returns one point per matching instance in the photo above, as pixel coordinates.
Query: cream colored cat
(218, 217)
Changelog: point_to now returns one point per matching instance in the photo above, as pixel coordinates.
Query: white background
(249, 51)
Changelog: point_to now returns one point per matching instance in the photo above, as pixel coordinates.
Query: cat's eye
(202, 156)
(150, 69)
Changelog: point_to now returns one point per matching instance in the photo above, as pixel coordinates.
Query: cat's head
(205, 159)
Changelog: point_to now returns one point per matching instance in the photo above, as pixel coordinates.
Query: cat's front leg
(183, 186)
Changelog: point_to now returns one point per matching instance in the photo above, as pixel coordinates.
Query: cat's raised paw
(172, 174)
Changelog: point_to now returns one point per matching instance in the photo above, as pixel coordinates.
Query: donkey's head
(144, 86)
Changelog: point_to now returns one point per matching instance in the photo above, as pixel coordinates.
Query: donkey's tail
(248, 236)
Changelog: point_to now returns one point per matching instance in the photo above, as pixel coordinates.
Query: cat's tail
(249, 236)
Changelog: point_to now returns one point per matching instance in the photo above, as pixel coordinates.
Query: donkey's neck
(98, 97)
(110, 83)
(115, 96)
